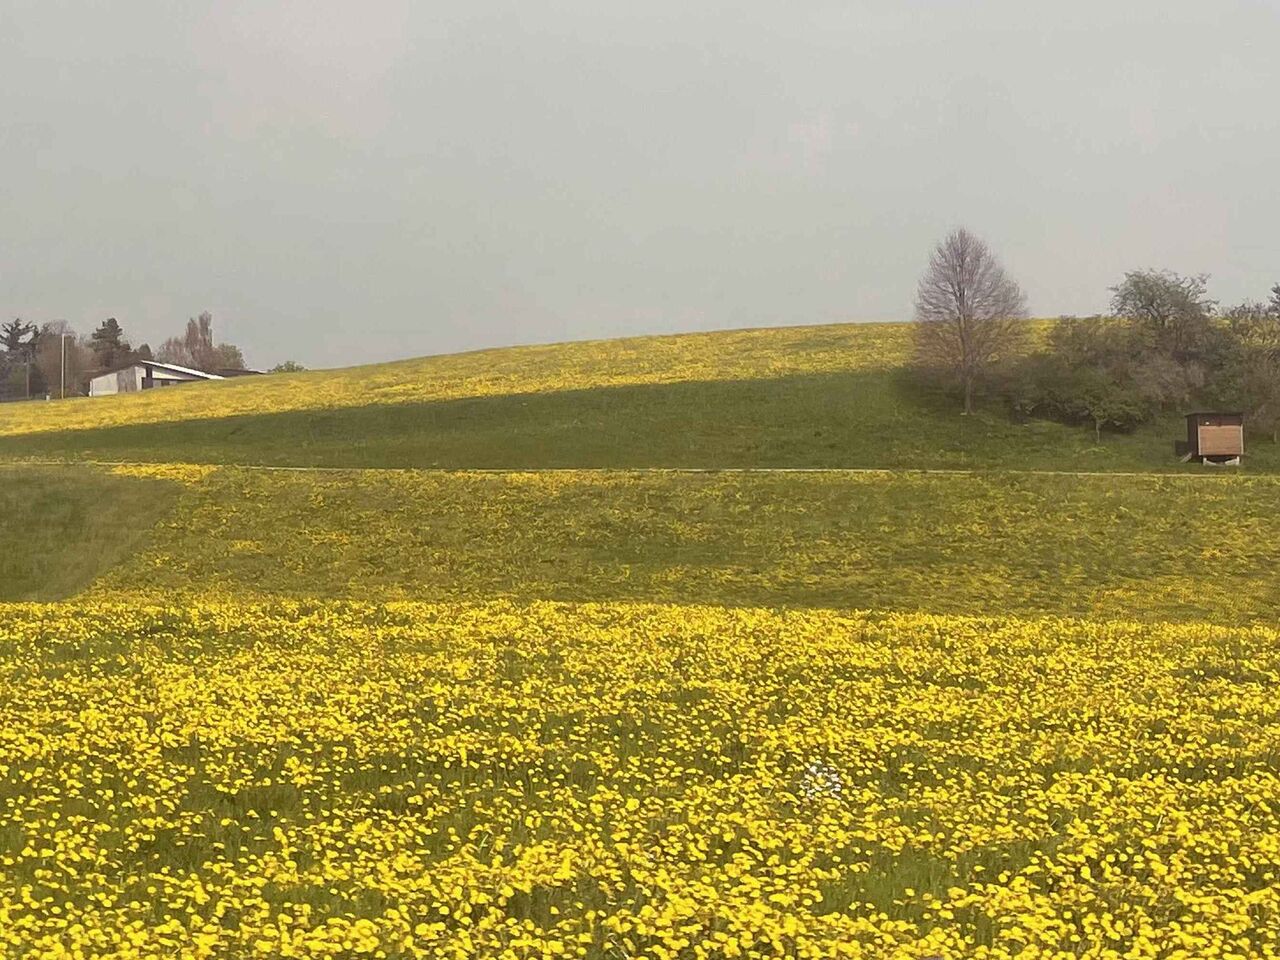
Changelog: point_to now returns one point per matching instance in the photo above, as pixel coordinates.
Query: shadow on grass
(851, 419)
(61, 527)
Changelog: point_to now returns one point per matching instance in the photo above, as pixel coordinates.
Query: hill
(526, 370)
(1183, 547)
(828, 396)
(324, 708)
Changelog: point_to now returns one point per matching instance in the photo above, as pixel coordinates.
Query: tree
(198, 340)
(1255, 324)
(228, 357)
(19, 342)
(79, 359)
(1174, 312)
(1256, 392)
(17, 339)
(174, 350)
(1108, 400)
(967, 314)
(196, 348)
(1249, 376)
(289, 366)
(1096, 370)
(110, 348)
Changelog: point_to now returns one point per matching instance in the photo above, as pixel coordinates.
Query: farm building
(1215, 437)
(144, 375)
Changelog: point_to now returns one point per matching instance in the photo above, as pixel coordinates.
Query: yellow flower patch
(187, 473)
(330, 779)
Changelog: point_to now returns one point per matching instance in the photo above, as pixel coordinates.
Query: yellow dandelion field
(334, 779)
(626, 714)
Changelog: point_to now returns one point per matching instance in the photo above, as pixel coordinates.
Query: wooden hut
(1215, 437)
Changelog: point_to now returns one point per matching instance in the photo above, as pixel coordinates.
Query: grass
(731, 355)
(853, 419)
(59, 528)
(794, 397)
(1173, 548)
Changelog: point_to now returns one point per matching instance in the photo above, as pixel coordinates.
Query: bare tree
(197, 348)
(174, 350)
(967, 313)
(198, 340)
(63, 359)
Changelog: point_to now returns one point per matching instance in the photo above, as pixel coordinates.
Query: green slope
(761, 412)
(1197, 546)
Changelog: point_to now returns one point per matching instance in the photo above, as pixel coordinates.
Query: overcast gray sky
(348, 182)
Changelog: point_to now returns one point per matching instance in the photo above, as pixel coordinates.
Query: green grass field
(61, 527)
(1186, 547)
(829, 420)
(795, 397)
(1152, 548)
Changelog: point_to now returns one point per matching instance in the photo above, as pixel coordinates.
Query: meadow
(616, 711)
(688, 358)
(621, 780)
(1164, 548)
(59, 528)
(833, 396)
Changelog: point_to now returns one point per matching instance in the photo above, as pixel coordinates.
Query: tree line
(45, 360)
(1165, 345)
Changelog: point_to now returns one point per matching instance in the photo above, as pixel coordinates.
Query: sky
(343, 183)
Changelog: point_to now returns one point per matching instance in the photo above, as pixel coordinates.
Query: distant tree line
(1164, 346)
(52, 358)
(36, 361)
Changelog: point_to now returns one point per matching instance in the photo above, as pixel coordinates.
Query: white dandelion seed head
(821, 780)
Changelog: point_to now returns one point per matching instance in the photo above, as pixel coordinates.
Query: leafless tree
(174, 350)
(64, 364)
(196, 348)
(967, 313)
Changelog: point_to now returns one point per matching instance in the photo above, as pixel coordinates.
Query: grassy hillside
(833, 396)
(730, 355)
(869, 419)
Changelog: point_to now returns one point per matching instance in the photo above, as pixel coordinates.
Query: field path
(834, 471)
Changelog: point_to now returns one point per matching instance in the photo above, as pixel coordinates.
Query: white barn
(144, 375)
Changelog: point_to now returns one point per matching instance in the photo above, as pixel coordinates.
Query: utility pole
(63, 344)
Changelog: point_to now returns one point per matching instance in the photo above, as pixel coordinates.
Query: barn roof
(154, 364)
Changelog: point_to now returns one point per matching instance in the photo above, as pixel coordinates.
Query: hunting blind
(1215, 437)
